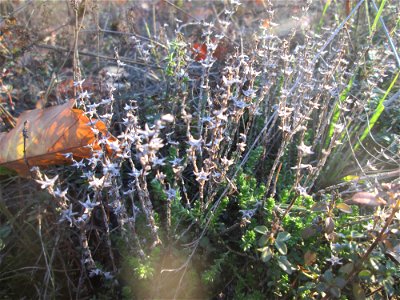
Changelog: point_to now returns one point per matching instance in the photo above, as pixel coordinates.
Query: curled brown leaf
(52, 132)
(366, 199)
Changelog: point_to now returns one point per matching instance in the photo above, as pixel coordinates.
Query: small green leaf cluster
(143, 269)
(253, 160)
(210, 275)
(248, 240)
(249, 192)
(175, 57)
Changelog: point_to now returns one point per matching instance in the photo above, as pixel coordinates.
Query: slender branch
(91, 54)
(383, 175)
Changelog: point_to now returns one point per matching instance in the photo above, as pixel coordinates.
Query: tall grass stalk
(377, 113)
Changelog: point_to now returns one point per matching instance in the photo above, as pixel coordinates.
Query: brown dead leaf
(309, 232)
(52, 132)
(366, 199)
(329, 225)
(310, 258)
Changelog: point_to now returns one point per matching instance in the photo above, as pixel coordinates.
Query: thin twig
(25, 136)
(384, 175)
(131, 34)
(91, 54)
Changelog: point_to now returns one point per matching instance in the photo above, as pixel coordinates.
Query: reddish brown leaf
(52, 132)
(366, 199)
(265, 23)
(200, 51)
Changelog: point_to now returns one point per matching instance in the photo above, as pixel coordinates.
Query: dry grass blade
(7, 118)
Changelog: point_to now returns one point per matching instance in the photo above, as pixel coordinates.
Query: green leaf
(283, 236)
(337, 111)
(266, 254)
(321, 20)
(378, 15)
(263, 241)
(335, 291)
(355, 235)
(320, 206)
(5, 231)
(344, 208)
(261, 229)
(374, 263)
(347, 268)
(358, 292)
(339, 282)
(388, 284)
(328, 276)
(364, 274)
(282, 248)
(378, 111)
(285, 265)
(350, 178)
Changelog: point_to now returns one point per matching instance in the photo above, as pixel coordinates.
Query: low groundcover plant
(239, 162)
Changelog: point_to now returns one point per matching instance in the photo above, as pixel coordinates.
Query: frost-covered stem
(201, 196)
(107, 228)
(285, 140)
(273, 188)
(132, 228)
(87, 259)
(192, 156)
(184, 192)
(325, 115)
(168, 216)
(321, 162)
(299, 160)
(204, 84)
(77, 28)
(147, 207)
